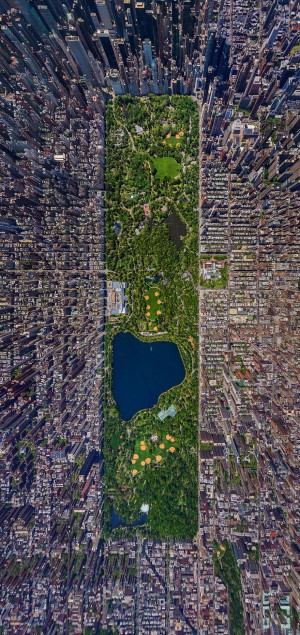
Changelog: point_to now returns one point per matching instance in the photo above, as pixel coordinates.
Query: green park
(152, 177)
(166, 167)
(154, 308)
(150, 453)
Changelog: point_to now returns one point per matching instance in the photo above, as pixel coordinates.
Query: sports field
(174, 140)
(151, 452)
(154, 306)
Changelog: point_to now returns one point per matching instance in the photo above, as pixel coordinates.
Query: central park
(151, 415)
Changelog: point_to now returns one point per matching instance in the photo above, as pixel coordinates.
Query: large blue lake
(142, 371)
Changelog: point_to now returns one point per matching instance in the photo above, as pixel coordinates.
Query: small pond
(177, 229)
(117, 227)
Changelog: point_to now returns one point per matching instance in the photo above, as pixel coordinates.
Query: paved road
(201, 296)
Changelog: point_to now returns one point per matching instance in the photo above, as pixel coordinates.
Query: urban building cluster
(249, 391)
(52, 321)
(60, 63)
(116, 297)
(150, 586)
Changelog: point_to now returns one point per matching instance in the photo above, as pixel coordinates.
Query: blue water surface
(116, 521)
(142, 371)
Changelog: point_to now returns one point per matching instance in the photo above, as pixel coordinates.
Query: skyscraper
(61, 64)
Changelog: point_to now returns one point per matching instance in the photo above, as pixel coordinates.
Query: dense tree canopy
(137, 134)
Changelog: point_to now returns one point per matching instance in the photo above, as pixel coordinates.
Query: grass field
(172, 141)
(117, 441)
(166, 166)
(148, 453)
(153, 304)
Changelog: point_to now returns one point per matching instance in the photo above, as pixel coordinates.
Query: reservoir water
(142, 371)
(116, 521)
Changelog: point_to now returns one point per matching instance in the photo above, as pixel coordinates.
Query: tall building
(60, 64)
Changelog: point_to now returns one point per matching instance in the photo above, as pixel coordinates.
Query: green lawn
(155, 303)
(172, 141)
(153, 451)
(116, 441)
(166, 166)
